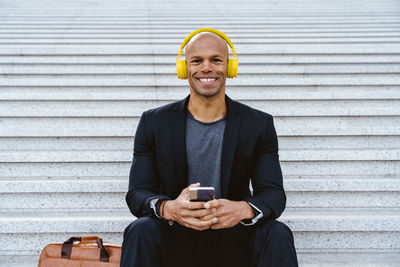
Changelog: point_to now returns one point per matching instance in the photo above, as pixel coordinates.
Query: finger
(203, 212)
(212, 204)
(216, 226)
(193, 222)
(192, 185)
(207, 217)
(194, 205)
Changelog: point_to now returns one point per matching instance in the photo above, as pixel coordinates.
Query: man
(206, 139)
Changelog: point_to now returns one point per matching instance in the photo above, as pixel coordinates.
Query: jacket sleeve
(268, 193)
(144, 181)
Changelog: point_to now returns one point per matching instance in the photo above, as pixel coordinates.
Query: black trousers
(149, 242)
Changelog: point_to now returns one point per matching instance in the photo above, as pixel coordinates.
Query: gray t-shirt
(203, 150)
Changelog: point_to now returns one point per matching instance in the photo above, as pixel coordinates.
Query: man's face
(207, 65)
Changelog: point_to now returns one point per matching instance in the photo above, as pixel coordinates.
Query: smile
(207, 79)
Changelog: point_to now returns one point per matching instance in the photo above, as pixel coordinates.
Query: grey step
(33, 243)
(125, 143)
(120, 185)
(50, 156)
(201, 12)
(115, 222)
(171, 6)
(126, 126)
(177, 35)
(171, 80)
(186, 20)
(350, 229)
(327, 108)
(272, 60)
(109, 194)
(291, 168)
(306, 258)
(355, 26)
(105, 201)
(175, 93)
(170, 19)
(59, 143)
(266, 41)
(348, 258)
(72, 202)
(326, 49)
(136, 69)
(251, 31)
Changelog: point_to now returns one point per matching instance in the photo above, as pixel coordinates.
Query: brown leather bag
(89, 252)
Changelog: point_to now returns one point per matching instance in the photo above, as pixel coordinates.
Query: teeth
(208, 80)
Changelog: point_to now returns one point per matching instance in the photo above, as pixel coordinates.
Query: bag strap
(66, 249)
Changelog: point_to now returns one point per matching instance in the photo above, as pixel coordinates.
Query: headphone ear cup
(181, 69)
(233, 65)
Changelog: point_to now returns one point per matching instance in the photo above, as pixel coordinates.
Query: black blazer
(250, 151)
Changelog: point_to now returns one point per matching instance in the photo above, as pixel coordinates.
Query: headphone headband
(221, 34)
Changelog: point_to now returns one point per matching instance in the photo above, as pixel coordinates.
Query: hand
(187, 213)
(229, 213)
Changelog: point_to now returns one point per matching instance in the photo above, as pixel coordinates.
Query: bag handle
(66, 249)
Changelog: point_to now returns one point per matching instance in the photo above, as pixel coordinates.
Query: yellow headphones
(233, 63)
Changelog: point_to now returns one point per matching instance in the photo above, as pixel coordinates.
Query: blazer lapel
(231, 135)
(177, 129)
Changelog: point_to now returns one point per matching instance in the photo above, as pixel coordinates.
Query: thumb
(194, 185)
(186, 190)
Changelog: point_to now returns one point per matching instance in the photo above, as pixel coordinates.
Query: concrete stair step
(171, 6)
(188, 25)
(292, 108)
(176, 35)
(171, 80)
(169, 59)
(251, 30)
(238, 41)
(156, 49)
(136, 69)
(351, 229)
(112, 184)
(348, 258)
(109, 194)
(125, 126)
(29, 156)
(121, 167)
(171, 19)
(306, 258)
(164, 93)
(125, 143)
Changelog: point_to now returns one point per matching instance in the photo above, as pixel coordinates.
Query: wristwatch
(257, 216)
(156, 208)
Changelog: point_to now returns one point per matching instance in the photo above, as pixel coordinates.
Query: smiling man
(206, 139)
(207, 57)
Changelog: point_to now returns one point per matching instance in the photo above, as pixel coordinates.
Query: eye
(217, 60)
(195, 61)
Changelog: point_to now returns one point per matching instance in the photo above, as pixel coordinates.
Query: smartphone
(201, 193)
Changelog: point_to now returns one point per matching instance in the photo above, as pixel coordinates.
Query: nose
(206, 67)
